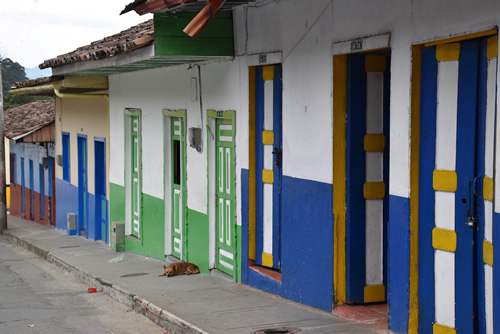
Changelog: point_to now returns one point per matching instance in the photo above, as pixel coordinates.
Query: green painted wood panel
(197, 234)
(153, 229)
(216, 39)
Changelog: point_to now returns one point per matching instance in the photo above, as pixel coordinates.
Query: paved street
(37, 297)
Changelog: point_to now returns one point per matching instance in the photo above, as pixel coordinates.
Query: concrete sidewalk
(180, 304)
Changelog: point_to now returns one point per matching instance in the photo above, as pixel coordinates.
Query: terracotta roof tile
(142, 7)
(36, 82)
(127, 40)
(28, 117)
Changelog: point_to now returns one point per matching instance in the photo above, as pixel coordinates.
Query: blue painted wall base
(306, 243)
(399, 263)
(67, 202)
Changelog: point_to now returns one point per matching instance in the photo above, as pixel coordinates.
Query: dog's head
(169, 270)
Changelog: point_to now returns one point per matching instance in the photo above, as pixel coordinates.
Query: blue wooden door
(269, 162)
(101, 203)
(41, 182)
(367, 174)
(32, 190)
(23, 185)
(458, 110)
(82, 186)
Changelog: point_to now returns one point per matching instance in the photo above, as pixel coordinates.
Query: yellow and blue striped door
(268, 160)
(367, 174)
(456, 187)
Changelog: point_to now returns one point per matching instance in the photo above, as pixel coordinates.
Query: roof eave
(80, 68)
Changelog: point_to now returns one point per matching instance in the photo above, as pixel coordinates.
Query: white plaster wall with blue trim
(35, 153)
(304, 32)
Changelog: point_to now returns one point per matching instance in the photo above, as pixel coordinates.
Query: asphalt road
(36, 297)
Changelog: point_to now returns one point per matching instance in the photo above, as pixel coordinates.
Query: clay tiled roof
(36, 82)
(28, 118)
(150, 6)
(128, 40)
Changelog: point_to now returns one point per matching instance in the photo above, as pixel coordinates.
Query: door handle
(474, 185)
(278, 153)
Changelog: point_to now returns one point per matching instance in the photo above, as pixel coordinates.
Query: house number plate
(357, 45)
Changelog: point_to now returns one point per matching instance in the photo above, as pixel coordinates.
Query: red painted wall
(27, 204)
(36, 203)
(16, 203)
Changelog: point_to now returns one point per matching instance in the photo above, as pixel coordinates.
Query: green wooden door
(225, 197)
(177, 182)
(135, 175)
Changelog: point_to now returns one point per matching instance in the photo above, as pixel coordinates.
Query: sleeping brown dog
(180, 268)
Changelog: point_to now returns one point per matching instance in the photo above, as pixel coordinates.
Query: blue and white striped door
(458, 109)
(367, 162)
(268, 159)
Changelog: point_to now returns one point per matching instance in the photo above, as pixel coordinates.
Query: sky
(32, 31)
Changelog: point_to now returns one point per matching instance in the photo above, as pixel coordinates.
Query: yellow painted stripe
(251, 168)
(268, 72)
(414, 187)
(489, 32)
(267, 260)
(442, 329)
(7, 195)
(444, 239)
(448, 52)
(374, 190)
(492, 47)
(375, 63)
(267, 137)
(444, 180)
(374, 293)
(488, 253)
(267, 176)
(488, 188)
(374, 143)
(339, 175)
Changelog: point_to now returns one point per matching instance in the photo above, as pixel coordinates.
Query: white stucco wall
(172, 88)
(303, 31)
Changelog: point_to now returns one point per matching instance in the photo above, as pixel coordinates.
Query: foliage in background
(13, 72)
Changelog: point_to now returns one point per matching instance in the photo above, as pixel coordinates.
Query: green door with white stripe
(135, 175)
(225, 197)
(177, 182)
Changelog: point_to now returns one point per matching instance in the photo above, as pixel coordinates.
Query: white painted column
(268, 165)
(488, 173)
(374, 208)
(446, 134)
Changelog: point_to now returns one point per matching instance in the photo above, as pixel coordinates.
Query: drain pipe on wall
(79, 96)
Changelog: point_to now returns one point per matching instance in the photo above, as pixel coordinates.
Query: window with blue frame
(66, 157)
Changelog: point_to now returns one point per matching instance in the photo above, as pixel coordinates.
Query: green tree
(13, 72)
